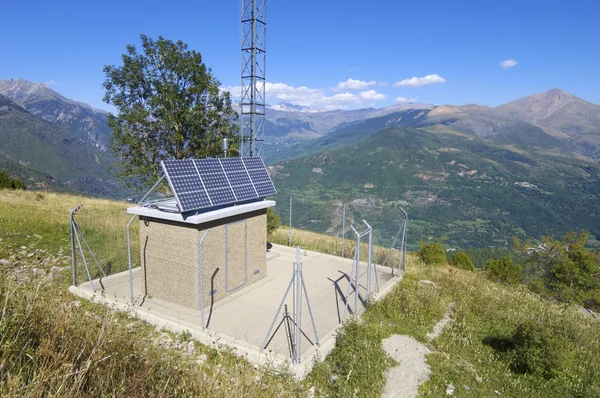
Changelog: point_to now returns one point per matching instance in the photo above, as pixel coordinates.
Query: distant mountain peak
(78, 118)
(288, 107)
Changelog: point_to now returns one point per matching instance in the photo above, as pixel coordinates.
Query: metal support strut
(294, 334)
(76, 239)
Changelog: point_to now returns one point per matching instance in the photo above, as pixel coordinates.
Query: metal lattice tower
(253, 44)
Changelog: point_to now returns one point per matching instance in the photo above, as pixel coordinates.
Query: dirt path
(403, 381)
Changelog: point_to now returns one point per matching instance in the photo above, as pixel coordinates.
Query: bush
(273, 221)
(463, 261)
(15, 183)
(504, 271)
(432, 253)
(4, 179)
(6, 182)
(537, 348)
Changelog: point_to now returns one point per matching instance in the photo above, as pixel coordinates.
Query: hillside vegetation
(57, 345)
(474, 192)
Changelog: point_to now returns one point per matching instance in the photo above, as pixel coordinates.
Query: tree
(567, 270)
(168, 106)
(432, 253)
(462, 260)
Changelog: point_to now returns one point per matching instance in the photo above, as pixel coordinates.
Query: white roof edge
(202, 217)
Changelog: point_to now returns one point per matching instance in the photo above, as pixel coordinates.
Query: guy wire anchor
(77, 236)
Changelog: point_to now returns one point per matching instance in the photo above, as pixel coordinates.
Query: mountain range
(472, 173)
(50, 141)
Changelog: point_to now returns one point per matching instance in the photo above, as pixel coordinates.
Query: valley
(472, 175)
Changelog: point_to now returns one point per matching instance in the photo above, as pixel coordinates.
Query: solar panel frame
(209, 182)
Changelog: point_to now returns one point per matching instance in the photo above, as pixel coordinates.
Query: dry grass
(56, 345)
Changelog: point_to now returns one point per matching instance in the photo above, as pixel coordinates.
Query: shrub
(273, 221)
(462, 260)
(432, 253)
(504, 271)
(4, 179)
(15, 183)
(537, 348)
(7, 182)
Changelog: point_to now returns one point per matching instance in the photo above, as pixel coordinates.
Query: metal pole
(83, 257)
(369, 264)
(201, 281)
(403, 267)
(312, 318)
(89, 249)
(279, 309)
(299, 304)
(356, 275)
(129, 260)
(73, 256)
(290, 231)
(343, 227)
(151, 189)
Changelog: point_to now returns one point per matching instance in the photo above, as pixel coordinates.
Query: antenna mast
(252, 106)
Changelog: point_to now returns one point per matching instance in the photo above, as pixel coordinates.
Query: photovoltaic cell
(202, 183)
(260, 178)
(186, 184)
(239, 179)
(216, 182)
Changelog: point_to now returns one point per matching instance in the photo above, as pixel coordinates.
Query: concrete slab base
(243, 319)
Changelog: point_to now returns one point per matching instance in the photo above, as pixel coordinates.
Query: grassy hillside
(57, 345)
(474, 192)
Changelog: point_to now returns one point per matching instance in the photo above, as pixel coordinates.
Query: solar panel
(186, 184)
(202, 183)
(239, 179)
(260, 178)
(216, 182)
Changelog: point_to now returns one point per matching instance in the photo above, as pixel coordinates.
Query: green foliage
(168, 106)
(537, 348)
(480, 256)
(273, 221)
(432, 253)
(503, 270)
(426, 168)
(566, 270)
(462, 260)
(7, 182)
(15, 183)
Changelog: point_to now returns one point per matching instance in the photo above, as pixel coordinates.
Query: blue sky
(389, 49)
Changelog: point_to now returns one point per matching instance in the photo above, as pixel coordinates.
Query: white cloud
(372, 95)
(420, 81)
(315, 99)
(404, 100)
(50, 83)
(352, 84)
(508, 63)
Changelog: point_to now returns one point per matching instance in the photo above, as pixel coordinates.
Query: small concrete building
(195, 258)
